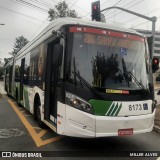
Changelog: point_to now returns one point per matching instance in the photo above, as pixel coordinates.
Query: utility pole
(152, 19)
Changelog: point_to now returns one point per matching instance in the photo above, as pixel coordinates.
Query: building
(148, 33)
(156, 53)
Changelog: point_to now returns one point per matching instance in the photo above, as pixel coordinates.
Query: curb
(156, 128)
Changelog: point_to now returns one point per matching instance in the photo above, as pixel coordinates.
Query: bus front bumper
(81, 124)
(109, 126)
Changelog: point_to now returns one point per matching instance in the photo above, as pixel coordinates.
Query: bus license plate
(124, 132)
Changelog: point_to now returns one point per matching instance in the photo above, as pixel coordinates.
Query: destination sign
(109, 41)
(96, 36)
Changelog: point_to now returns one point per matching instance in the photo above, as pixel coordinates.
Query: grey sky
(20, 19)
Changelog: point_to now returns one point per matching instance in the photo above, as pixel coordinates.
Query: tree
(61, 10)
(6, 60)
(1, 71)
(20, 42)
(104, 68)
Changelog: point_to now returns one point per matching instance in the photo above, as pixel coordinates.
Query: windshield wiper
(93, 90)
(135, 79)
(125, 72)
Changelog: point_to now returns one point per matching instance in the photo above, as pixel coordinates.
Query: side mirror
(150, 42)
(57, 55)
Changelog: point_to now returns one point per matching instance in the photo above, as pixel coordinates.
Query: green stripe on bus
(118, 109)
(100, 107)
(111, 109)
(114, 109)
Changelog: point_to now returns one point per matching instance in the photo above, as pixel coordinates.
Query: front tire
(38, 116)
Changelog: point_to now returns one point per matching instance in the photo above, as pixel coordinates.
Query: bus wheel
(38, 116)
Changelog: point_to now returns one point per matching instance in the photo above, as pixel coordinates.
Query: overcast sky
(21, 19)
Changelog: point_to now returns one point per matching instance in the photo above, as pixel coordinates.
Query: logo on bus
(145, 106)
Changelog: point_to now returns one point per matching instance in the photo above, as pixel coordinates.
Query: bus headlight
(78, 103)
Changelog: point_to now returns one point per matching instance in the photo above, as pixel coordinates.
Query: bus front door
(50, 107)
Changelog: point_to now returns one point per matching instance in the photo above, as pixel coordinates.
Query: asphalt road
(19, 132)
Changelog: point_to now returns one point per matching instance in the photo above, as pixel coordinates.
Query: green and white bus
(85, 79)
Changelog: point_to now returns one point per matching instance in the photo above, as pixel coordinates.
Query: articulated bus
(85, 79)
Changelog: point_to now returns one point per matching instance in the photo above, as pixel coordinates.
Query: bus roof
(65, 20)
(58, 23)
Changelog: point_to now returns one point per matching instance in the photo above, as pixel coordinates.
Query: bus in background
(85, 79)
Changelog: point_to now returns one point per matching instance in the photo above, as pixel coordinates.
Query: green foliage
(104, 67)
(61, 10)
(6, 60)
(1, 71)
(20, 42)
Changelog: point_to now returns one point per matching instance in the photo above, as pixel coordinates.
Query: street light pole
(152, 19)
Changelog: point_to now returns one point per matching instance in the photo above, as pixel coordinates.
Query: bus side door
(22, 78)
(50, 111)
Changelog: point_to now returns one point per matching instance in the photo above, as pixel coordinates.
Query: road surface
(19, 132)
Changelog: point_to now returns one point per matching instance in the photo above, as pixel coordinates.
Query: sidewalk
(157, 85)
(157, 120)
(2, 89)
(157, 116)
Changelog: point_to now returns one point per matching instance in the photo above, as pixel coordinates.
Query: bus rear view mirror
(150, 42)
(57, 55)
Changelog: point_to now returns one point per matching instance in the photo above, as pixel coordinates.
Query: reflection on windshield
(107, 64)
(105, 70)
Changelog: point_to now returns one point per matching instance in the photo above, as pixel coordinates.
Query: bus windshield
(109, 59)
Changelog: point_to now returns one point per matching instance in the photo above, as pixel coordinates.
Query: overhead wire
(50, 4)
(46, 4)
(36, 9)
(42, 3)
(134, 4)
(144, 14)
(125, 5)
(77, 6)
(113, 5)
(32, 5)
(73, 4)
(46, 19)
(38, 28)
(143, 22)
(103, 3)
(19, 13)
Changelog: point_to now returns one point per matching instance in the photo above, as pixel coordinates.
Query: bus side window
(26, 75)
(17, 73)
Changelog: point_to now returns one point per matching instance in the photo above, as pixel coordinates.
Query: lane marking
(36, 127)
(23, 111)
(27, 115)
(36, 137)
(32, 132)
(42, 133)
(52, 139)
